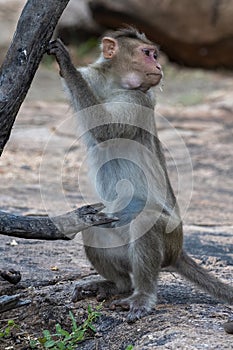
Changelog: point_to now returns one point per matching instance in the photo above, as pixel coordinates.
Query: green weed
(6, 331)
(62, 339)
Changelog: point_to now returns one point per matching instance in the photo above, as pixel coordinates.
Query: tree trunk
(34, 31)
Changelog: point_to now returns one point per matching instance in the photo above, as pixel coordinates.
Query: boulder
(196, 34)
(193, 33)
(76, 24)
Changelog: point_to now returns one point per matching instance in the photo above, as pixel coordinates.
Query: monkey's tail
(189, 269)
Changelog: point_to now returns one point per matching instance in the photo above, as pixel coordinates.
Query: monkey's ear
(109, 47)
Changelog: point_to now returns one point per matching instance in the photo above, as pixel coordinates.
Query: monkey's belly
(110, 262)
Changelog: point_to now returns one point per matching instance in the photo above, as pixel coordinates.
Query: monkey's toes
(52, 47)
(124, 304)
(136, 313)
(82, 292)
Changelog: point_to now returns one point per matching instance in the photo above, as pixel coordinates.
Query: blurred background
(190, 34)
(197, 34)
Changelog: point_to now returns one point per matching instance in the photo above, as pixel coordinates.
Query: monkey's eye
(155, 56)
(146, 52)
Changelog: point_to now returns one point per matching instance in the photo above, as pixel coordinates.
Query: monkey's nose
(158, 66)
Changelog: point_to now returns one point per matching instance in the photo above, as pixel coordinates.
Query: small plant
(62, 339)
(129, 347)
(6, 331)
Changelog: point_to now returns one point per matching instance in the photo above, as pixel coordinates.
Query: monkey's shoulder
(133, 97)
(108, 92)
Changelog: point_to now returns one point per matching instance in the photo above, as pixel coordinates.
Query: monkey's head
(133, 59)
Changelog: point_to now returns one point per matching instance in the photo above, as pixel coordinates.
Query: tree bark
(59, 227)
(34, 31)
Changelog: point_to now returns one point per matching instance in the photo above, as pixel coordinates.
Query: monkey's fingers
(91, 208)
(57, 47)
(98, 219)
(91, 215)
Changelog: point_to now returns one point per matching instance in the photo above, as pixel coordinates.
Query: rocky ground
(43, 170)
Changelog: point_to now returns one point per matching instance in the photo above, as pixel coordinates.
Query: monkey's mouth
(155, 74)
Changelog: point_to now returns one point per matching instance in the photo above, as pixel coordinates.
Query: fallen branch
(9, 302)
(58, 227)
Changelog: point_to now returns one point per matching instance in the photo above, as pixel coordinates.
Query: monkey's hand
(58, 49)
(91, 215)
(81, 219)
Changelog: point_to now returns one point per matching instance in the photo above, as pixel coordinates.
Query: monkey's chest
(126, 180)
(120, 179)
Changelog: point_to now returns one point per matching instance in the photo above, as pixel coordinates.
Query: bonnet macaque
(115, 95)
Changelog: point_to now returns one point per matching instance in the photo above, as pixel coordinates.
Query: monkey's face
(133, 62)
(144, 70)
(140, 67)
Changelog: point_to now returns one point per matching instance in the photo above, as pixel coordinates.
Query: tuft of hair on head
(128, 32)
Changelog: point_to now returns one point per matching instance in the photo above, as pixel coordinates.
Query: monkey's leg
(146, 257)
(101, 289)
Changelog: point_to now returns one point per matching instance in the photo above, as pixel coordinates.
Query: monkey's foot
(138, 306)
(100, 289)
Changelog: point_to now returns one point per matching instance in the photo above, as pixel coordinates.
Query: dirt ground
(43, 171)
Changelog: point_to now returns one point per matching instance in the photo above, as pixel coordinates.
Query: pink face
(149, 55)
(146, 70)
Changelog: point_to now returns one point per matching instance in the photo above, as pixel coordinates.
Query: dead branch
(9, 302)
(59, 227)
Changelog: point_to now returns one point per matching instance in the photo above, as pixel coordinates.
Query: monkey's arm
(75, 82)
